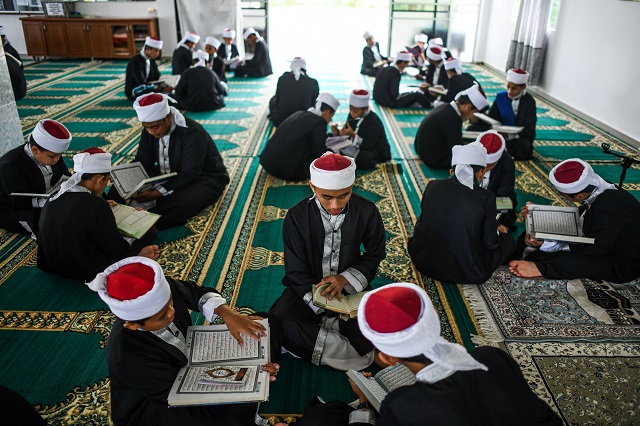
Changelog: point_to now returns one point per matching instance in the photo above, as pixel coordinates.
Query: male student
(182, 55)
(458, 80)
(418, 50)
(610, 216)
(260, 64)
(142, 68)
(452, 386)
(295, 91)
(369, 145)
(199, 88)
(171, 142)
(434, 74)
(78, 235)
(228, 51)
(299, 140)
(216, 64)
(438, 42)
(456, 236)
(147, 347)
(371, 55)
(441, 129)
(34, 167)
(322, 239)
(15, 67)
(516, 107)
(386, 89)
(500, 175)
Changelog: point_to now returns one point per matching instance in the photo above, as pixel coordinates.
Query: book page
(208, 346)
(370, 387)
(353, 300)
(128, 176)
(332, 305)
(487, 119)
(560, 222)
(503, 203)
(395, 376)
(191, 381)
(509, 129)
(132, 222)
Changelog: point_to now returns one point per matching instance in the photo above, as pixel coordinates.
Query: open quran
(167, 80)
(438, 90)
(347, 306)
(497, 126)
(133, 223)
(131, 179)
(377, 387)
(556, 223)
(219, 370)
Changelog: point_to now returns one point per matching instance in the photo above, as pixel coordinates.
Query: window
(553, 15)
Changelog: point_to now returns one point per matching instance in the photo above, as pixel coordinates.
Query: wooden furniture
(109, 38)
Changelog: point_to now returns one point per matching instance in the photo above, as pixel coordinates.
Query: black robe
(368, 59)
(222, 51)
(201, 177)
(182, 60)
(386, 91)
(498, 396)
(443, 78)
(455, 237)
(612, 220)
(136, 74)
(16, 75)
(292, 95)
(298, 141)
(520, 148)
(502, 180)
(259, 65)
(374, 148)
(19, 173)
(457, 84)
(142, 369)
(199, 89)
(218, 66)
(438, 133)
(304, 236)
(79, 237)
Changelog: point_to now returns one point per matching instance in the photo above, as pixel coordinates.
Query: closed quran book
(50, 193)
(439, 90)
(347, 306)
(556, 224)
(503, 204)
(377, 387)
(498, 126)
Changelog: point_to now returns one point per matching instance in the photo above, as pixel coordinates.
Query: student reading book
(130, 179)
(555, 223)
(133, 222)
(377, 387)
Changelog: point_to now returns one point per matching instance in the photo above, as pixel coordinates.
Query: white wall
(600, 88)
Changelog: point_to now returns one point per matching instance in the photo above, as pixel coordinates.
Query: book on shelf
(336, 143)
(50, 193)
(503, 204)
(133, 223)
(167, 80)
(219, 370)
(130, 179)
(377, 387)
(347, 306)
(556, 223)
(438, 89)
(498, 126)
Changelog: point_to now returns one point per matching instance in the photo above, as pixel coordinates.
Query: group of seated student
(386, 89)
(295, 91)
(458, 81)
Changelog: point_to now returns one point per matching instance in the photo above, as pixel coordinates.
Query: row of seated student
(77, 223)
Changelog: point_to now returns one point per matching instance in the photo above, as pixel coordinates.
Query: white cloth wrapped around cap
(228, 33)
(421, 337)
(248, 32)
(367, 34)
(517, 76)
(213, 42)
(329, 99)
(465, 156)
(359, 98)
(435, 53)
(403, 56)
(201, 56)
(153, 42)
(189, 36)
(153, 109)
(327, 177)
(138, 308)
(422, 38)
(86, 162)
(453, 64)
(297, 65)
(587, 177)
(436, 41)
(52, 136)
(475, 96)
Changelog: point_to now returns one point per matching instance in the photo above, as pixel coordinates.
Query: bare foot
(152, 252)
(524, 269)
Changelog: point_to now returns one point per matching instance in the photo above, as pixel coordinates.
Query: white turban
(297, 65)
(359, 98)
(86, 162)
(453, 64)
(329, 99)
(422, 38)
(435, 53)
(399, 319)
(437, 41)
(52, 136)
(367, 35)
(228, 33)
(517, 76)
(574, 175)
(152, 109)
(153, 42)
(494, 143)
(465, 156)
(140, 307)
(333, 171)
(201, 56)
(403, 56)
(248, 32)
(475, 96)
(213, 42)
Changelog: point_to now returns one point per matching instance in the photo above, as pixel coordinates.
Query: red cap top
(361, 92)
(393, 309)
(569, 172)
(151, 99)
(332, 162)
(130, 281)
(519, 71)
(436, 50)
(491, 142)
(55, 129)
(93, 151)
(154, 38)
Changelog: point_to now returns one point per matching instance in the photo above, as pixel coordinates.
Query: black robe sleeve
(374, 148)
(297, 264)
(367, 59)
(527, 117)
(502, 183)
(182, 60)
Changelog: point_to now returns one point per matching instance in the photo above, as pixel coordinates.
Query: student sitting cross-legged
(78, 233)
(147, 348)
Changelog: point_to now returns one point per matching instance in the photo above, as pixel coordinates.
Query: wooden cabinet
(87, 38)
